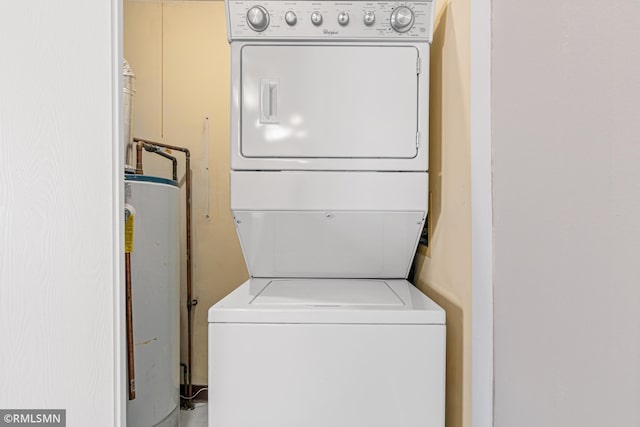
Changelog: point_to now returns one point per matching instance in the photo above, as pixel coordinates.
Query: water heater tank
(155, 278)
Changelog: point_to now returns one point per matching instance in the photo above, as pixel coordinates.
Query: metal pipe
(184, 374)
(190, 301)
(138, 158)
(129, 313)
(155, 149)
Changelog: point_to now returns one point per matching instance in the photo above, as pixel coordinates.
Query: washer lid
(327, 293)
(359, 301)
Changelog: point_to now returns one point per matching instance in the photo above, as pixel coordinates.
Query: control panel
(355, 20)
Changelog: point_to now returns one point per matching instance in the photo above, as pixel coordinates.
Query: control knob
(402, 19)
(290, 18)
(343, 18)
(369, 18)
(258, 18)
(316, 18)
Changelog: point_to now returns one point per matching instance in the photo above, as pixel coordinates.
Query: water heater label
(129, 217)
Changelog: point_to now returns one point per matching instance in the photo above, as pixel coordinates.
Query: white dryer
(329, 185)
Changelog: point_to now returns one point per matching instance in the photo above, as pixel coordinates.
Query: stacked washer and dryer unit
(329, 194)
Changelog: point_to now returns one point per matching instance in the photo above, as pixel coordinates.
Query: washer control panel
(301, 20)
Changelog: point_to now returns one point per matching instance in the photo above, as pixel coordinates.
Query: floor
(195, 418)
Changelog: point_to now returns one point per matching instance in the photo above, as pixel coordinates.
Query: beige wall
(443, 271)
(180, 55)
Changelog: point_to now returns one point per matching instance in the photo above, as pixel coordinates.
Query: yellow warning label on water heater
(128, 233)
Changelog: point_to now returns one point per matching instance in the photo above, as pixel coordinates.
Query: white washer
(329, 194)
(326, 352)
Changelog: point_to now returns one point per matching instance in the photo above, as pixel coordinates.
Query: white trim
(119, 345)
(481, 216)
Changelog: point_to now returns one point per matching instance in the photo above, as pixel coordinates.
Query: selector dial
(316, 18)
(258, 18)
(343, 18)
(369, 18)
(402, 19)
(290, 18)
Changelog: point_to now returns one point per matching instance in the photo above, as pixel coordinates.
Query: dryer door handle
(268, 101)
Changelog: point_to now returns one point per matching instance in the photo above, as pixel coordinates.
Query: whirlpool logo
(330, 32)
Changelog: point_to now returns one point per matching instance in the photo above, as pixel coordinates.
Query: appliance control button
(258, 18)
(343, 18)
(316, 18)
(290, 18)
(369, 18)
(402, 19)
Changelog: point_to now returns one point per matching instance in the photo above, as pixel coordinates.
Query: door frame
(481, 206)
(117, 111)
(481, 216)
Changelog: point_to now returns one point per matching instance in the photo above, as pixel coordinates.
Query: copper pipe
(174, 162)
(129, 314)
(190, 301)
(138, 158)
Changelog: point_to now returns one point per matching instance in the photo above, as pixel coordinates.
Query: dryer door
(329, 102)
